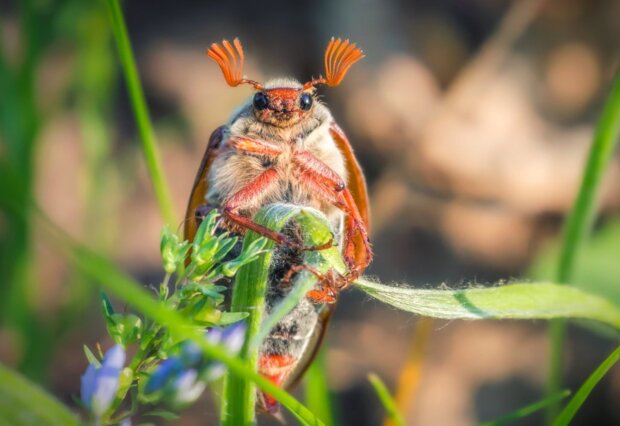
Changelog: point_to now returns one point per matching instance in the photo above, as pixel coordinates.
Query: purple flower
(183, 377)
(232, 338)
(187, 388)
(164, 373)
(99, 384)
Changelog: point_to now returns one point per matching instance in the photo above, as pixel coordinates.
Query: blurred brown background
(471, 118)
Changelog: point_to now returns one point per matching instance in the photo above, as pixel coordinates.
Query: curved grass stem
(579, 223)
(141, 113)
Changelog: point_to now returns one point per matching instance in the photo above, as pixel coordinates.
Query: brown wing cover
(356, 183)
(199, 190)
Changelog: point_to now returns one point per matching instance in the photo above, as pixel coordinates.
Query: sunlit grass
(567, 414)
(141, 113)
(579, 223)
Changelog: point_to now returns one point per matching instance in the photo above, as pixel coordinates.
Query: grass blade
(141, 113)
(386, 400)
(528, 409)
(578, 399)
(316, 389)
(580, 220)
(511, 301)
(22, 403)
(249, 294)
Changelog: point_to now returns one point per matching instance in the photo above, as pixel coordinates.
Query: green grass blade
(528, 409)
(23, 403)
(249, 296)
(317, 392)
(386, 400)
(249, 293)
(138, 103)
(578, 399)
(580, 220)
(511, 301)
(125, 288)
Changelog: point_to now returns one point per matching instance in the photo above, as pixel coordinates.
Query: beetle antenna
(230, 58)
(339, 57)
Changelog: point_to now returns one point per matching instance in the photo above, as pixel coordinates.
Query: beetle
(283, 145)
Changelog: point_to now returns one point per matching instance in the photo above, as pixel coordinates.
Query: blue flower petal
(187, 388)
(114, 357)
(105, 390)
(99, 385)
(87, 384)
(233, 337)
(164, 373)
(214, 335)
(213, 371)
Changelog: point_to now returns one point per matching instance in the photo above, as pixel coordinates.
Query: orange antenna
(231, 62)
(339, 57)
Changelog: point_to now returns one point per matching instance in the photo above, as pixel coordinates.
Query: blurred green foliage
(44, 26)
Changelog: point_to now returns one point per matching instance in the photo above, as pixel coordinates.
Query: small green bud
(169, 250)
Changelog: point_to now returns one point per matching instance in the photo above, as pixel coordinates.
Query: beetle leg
(327, 291)
(321, 171)
(249, 194)
(254, 146)
(325, 182)
(354, 226)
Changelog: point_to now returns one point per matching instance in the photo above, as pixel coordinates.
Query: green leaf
(527, 410)
(510, 301)
(92, 359)
(108, 314)
(23, 403)
(129, 327)
(582, 394)
(231, 317)
(386, 400)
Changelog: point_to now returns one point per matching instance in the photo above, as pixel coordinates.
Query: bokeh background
(471, 118)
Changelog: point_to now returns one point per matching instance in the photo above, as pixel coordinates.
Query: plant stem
(584, 391)
(579, 223)
(248, 296)
(138, 103)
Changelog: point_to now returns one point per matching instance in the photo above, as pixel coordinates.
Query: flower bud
(99, 384)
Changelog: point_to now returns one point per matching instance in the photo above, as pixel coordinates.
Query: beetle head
(285, 102)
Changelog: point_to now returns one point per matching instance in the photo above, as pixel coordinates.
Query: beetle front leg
(254, 146)
(330, 186)
(248, 195)
(251, 194)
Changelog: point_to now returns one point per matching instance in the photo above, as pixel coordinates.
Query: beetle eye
(305, 101)
(260, 101)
